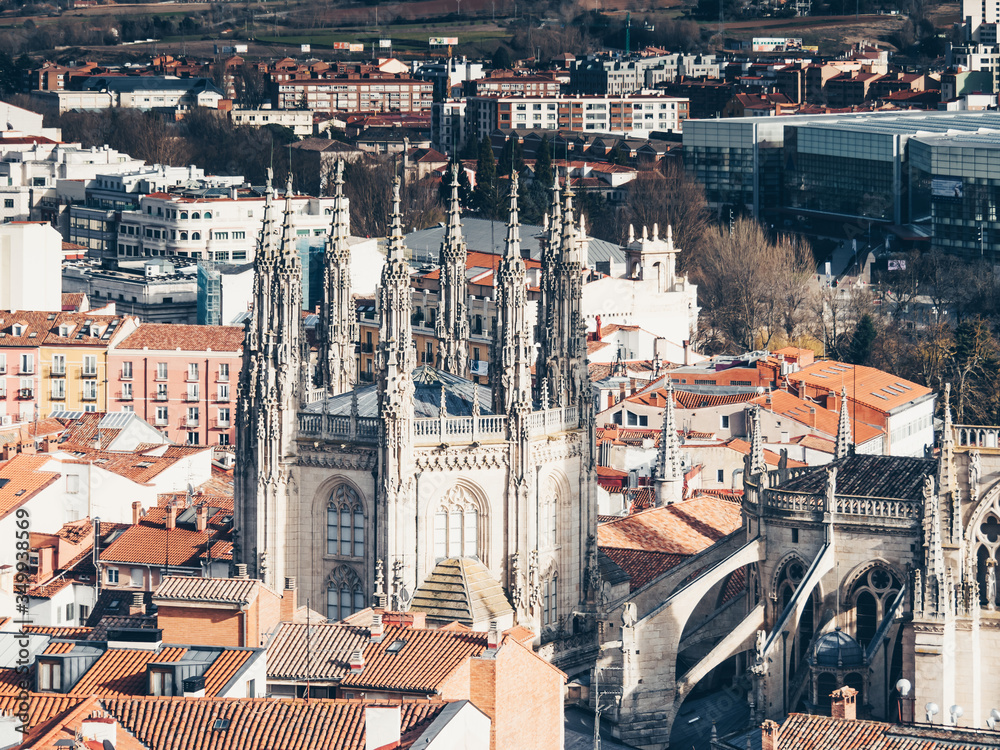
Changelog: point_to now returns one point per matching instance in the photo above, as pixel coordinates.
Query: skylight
(221, 725)
(395, 647)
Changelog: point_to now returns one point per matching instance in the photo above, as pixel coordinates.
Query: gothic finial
(381, 600)
(631, 233)
(475, 401)
(645, 233)
(545, 394)
(656, 231)
(757, 465)
(845, 442)
(443, 408)
(453, 229)
(396, 249)
(670, 235)
(512, 249)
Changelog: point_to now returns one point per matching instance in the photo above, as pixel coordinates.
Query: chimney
(241, 570)
(357, 661)
(769, 735)
(201, 517)
(492, 638)
(377, 629)
(100, 729)
(812, 416)
(687, 353)
(138, 605)
(844, 705)
(289, 600)
(382, 727)
(171, 516)
(136, 512)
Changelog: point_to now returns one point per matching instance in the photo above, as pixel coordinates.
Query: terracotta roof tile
(121, 672)
(21, 479)
(874, 388)
(684, 528)
(224, 668)
(41, 706)
(642, 566)
(60, 647)
(330, 648)
(801, 732)
(228, 590)
(59, 631)
(815, 416)
(188, 338)
(146, 543)
(258, 724)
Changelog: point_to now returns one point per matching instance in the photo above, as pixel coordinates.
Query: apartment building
(354, 93)
(632, 115)
(181, 379)
(299, 121)
(221, 225)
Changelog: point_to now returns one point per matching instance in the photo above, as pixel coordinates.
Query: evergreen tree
(860, 350)
(506, 161)
(543, 164)
(485, 196)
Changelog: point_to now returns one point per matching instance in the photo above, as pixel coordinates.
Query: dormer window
(64, 331)
(17, 329)
(161, 682)
(49, 676)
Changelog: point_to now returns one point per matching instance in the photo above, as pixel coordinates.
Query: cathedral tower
(453, 314)
(669, 473)
(550, 241)
(269, 396)
(338, 325)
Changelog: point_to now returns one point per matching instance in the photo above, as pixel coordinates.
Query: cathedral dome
(838, 649)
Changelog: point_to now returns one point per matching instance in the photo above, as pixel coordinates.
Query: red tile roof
(684, 528)
(641, 565)
(874, 388)
(41, 706)
(146, 543)
(59, 631)
(21, 479)
(121, 672)
(814, 416)
(188, 338)
(224, 668)
(770, 457)
(802, 732)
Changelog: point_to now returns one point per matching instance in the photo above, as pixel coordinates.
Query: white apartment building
(30, 273)
(299, 121)
(448, 126)
(136, 92)
(210, 228)
(632, 115)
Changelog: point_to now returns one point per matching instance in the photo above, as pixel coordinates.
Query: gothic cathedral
(423, 488)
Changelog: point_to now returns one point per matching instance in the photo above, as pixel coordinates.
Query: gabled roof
(187, 338)
(121, 672)
(149, 542)
(21, 479)
(876, 389)
(217, 590)
(815, 416)
(684, 528)
(329, 649)
(642, 566)
(802, 732)
(893, 477)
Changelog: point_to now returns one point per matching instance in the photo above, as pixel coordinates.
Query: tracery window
(547, 505)
(987, 538)
(871, 597)
(344, 595)
(345, 523)
(456, 526)
(550, 610)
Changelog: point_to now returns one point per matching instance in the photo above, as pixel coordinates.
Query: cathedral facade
(362, 492)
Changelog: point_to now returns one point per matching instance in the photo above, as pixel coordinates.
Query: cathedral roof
(461, 589)
(896, 477)
(428, 383)
(838, 649)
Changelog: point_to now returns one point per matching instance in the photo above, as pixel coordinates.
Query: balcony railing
(58, 369)
(189, 421)
(125, 395)
(367, 348)
(221, 424)
(222, 398)
(161, 422)
(159, 396)
(189, 396)
(3, 393)
(88, 396)
(361, 429)
(25, 393)
(26, 370)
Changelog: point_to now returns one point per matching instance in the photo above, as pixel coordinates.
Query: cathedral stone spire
(338, 326)
(845, 442)
(669, 473)
(757, 465)
(269, 395)
(946, 461)
(511, 366)
(453, 315)
(550, 241)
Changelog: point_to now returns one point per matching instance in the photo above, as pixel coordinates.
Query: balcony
(58, 370)
(192, 377)
(125, 395)
(365, 377)
(192, 396)
(161, 422)
(221, 424)
(30, 370)
(222, 398)
(89, 396)
(3, 393)
(158, 396)
(189, 421)
(126, 376)
(88, 373)
(367, 348)
(222, 377)
(25, 393)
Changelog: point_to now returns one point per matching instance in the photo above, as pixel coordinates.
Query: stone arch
(553, 490)
(548, 583)
(344, 593)
(982, 543)
(455, 508)
(782, 565)
(873, 587)
(334, 498)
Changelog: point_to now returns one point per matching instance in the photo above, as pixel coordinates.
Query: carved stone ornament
(534, 581)
(516, 588)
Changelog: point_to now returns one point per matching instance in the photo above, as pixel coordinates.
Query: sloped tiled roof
(642, 566)
(58, 631)
(421, 665)
(258, 724)
(879, 390)
(222, 590)
(121, 672)
(188, 338)
(21, 479)
(684, 528)
(895, 477)
(461, 589)
(41, 706)
(328, 649)
(145, 543)
(224, 668)
(815, 416)
(802, 732)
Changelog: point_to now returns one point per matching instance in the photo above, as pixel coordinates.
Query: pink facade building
(181, 379)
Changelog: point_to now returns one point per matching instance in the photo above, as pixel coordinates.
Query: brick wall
(200, 627)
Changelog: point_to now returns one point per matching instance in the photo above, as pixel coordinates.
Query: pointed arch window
(345, 523)
(456, 526)
(550, 610)
(547, 536)
(871, 597)
(344, 595)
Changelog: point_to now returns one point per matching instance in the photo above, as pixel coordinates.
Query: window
(27, 364)
(795, 536)
(126, 370)
(223, 372)
(84, 613)
(720, 476)
(8, 203)
(72, 484)
(161, 682)
(456, 526)
(224, 438)
(223, 392)
(343, 594)
(50, 675)
(224, 417)
(58, 364)
(58, 390)
(89, 364)
(135, 578)
(161, 392)
(161, 416)
(112, 575)
(89, 390)
(725, 421)
(161, 370)
(192, 417)
(126, 391)
(549, 605)
(193, 371)
(69, 612)
(3, 363)
(192, 392)
(547, 516)
(345, 523)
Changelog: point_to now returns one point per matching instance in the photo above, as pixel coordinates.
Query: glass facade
(956, 189)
